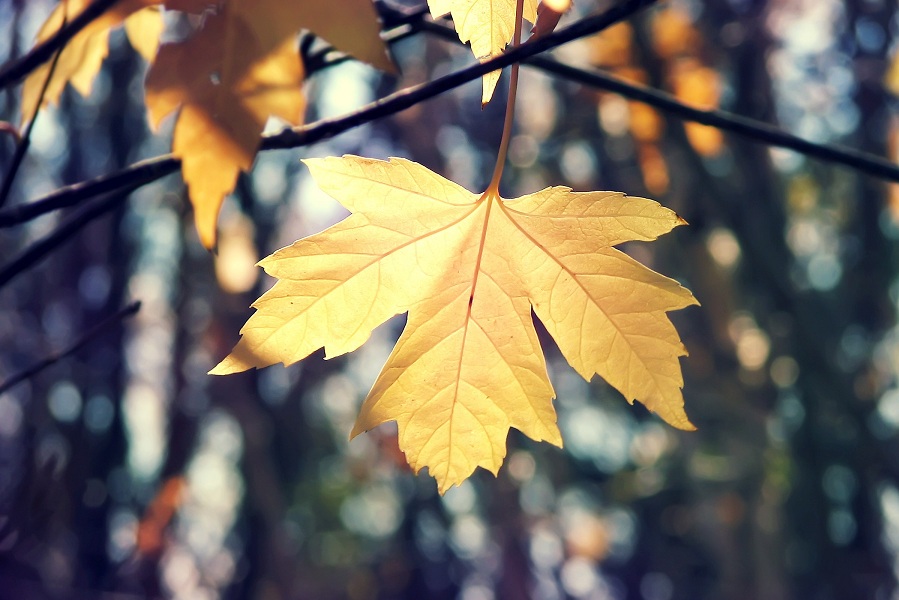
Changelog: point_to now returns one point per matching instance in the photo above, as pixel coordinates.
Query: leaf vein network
(411, 241)
(571, 274)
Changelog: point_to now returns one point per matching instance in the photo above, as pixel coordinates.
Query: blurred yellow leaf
(673, 33)
(705, 139)
(678, 44)
(487, 24)
(235, 261)
(82, 56)
(225, 100)
(646, 123)
(891, 78)
(351, 26)
(242, 67)
(699, 86)
(893, 154)
(695, 84)
(613, 47)
(469, 269)
(144, 28)
(653, 167)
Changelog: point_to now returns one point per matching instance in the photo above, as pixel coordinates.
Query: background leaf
(242, 67)
(487, 25)
(83, 55)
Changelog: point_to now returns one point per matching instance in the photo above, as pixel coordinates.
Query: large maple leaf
(468, 269)
(242, 67)
(487, 24)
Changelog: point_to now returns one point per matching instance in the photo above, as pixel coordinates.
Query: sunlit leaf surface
(468, 269)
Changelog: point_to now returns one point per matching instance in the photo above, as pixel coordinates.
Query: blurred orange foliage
(678, 44)
(159, 515)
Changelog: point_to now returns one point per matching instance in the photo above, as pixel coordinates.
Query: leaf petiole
(493, 188)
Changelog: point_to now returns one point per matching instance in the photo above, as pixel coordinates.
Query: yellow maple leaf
(891, 77)
(83, 55)
(488, 25)
(225, 100)
(468, 269)
(350, 26)
(144, 29)
(242, 67)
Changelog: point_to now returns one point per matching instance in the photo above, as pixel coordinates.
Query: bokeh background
(126, 472)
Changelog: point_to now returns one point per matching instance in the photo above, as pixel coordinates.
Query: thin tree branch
(403, 99)
(759, 131)
(86, 337)
(152, 169)
(24, 141)
(14, 71)
(124, 181)
(727, 121)
(41, 248)
(397, 25)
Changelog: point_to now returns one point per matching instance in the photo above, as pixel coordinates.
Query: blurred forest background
(126, 472)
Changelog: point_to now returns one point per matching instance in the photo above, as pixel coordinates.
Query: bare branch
(403, 99)
(86, 337)
(44, 246)
(152, 169)
(759, 131)
(126, 180)
(756, 130)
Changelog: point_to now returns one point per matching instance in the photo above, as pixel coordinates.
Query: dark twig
(24, 142)
(865, 162)
(403, 99)
(14, 71)
(152, 169)
(750, 128)
(41, 248)
(398, 25)
(126, 180)
(86, 337)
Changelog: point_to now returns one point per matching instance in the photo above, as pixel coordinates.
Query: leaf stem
(493, 188)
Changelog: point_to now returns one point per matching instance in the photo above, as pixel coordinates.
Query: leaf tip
(223, 368)
(241, 359)
(357, 430)
(679, 220)
(683, 424)
(208, 237)
(388, 65)
(489, 82)
(678, 420)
